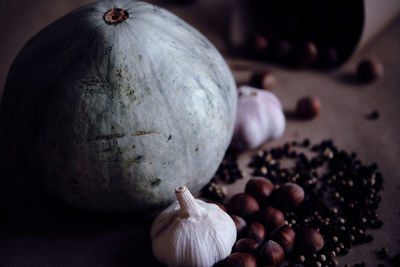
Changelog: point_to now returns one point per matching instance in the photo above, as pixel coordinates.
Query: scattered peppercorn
(306, 142)
(228, 172)
(341, 198)
(214, 191)
(340, 195)
(374, 115)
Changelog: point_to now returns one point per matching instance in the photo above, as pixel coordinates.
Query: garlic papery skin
(191, 232)
(259, 118)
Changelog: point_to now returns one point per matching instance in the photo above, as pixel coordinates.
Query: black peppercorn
(374, 115)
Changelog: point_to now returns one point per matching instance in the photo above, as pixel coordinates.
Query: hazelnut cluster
(341, 199)
(264, 237)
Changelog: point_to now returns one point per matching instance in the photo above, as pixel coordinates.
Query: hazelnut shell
(271, 253)
(240, 224)
(243, 205)
(260, 44)
(263, 79)
(260, 188)
(308, 240)
(308, 107)
(240, 259)
(246, 245)
(369, 70)
(288, 196)
(285, 237)
(256, 231)
(283, 50)
(271, 218)
(306, 54)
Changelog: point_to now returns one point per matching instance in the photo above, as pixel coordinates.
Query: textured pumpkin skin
(114, 117)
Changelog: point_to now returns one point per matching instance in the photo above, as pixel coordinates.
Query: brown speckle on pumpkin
(120, 73)
(137, 133)
(197, 149)
(169, 138)
(133, 147)
(105, 137)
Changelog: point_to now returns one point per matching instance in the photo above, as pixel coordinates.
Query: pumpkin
(116, 103)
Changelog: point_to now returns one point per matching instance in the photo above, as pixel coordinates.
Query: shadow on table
(52, 234)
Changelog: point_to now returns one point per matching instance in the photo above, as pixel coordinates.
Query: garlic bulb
(192, 232)
(259, 118)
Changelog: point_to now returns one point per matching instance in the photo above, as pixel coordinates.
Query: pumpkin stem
(115, 16)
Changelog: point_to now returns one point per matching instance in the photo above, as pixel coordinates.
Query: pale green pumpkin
(112, 112)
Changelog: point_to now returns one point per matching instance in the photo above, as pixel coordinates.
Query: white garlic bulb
(192, 232)
(259, 118)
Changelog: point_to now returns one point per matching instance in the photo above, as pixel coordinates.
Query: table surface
(43, 234)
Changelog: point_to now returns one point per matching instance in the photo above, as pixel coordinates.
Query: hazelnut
(240, 224)
(308, 107)
(369, 70)
(306, 54)
(260, 188)
(285, 238)
(260, 44)
(240, 259)
(287, 196)
(271, 253)
(256, 231)
(263, 79)
(246, 245)
(243, 205)
(329, 57)
(271, 218)
(308, 240)
(283, 50)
